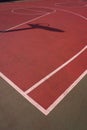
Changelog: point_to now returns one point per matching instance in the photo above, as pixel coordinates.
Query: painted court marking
(24, 94)
(39, 107)
(36, 12)
(73, 13)
(79, 4)
(55, 71)
(34, 19)
(48, 13)
(50, 108)
(66, 92)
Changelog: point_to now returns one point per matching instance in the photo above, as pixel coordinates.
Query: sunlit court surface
(43, 65)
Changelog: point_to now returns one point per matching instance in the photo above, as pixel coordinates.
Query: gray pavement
(16, 113)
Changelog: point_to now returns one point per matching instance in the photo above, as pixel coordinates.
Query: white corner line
(55, 71)
(13, 85)
(34, 103)
(62, 96)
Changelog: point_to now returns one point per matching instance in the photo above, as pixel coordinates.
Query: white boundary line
(73, 13)
(85, 5)
(54, 10)
(34, 19)
(29, 21)
(46, 112)
(39, 107)
(22, 93)
(55, 71)
(14, 11)
(77, 6)
(51, 107)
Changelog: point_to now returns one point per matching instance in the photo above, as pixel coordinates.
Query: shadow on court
(8, 0)
(35, 26)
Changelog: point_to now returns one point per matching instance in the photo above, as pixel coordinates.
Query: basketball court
(43, 66)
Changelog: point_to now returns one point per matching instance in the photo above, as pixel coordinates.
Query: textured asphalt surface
(16, 113)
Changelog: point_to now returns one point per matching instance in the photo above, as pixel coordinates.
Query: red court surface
(43, 49)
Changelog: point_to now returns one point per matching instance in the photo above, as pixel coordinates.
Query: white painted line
(37, 12)
(58, 100)
(78, 4)
(85, 5)
(71, 12)
(60, 3)
(54, 10)
(39, 107)
(23, 94)
(28, 21)
(34, 19)
(55, 71)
